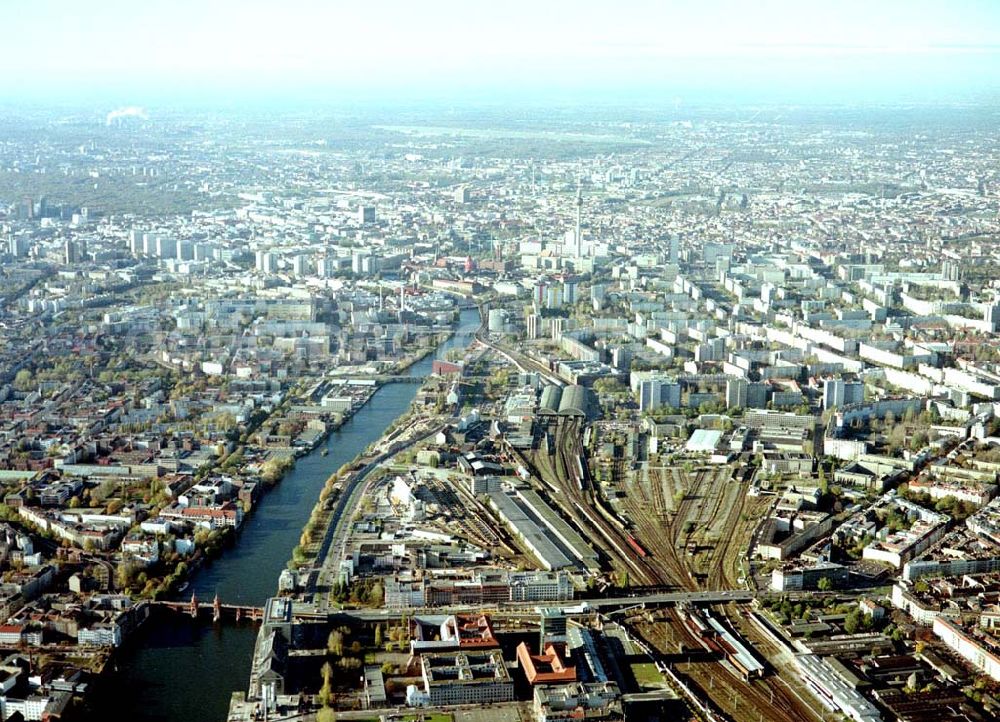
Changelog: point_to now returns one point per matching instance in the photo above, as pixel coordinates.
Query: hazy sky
(141, 50)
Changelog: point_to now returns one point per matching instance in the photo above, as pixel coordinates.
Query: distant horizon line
(342, 99)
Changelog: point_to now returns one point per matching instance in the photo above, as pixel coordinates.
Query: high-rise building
(551, 627)
(656, 393)
(713, 251)
(712, 350)
(366, 214)
(670, 395)
(71, 253)
(185, 251)
(166, 247)
(992, 316)
(496, 319)
(675, 250)
(650, 395)
(837, 393)
(736, 393)
(598, 293)
(363, 262)
(757, 394)
(569, 292)
(538, 294)
(534, 324)
(18, 246)
(300, 265)
(621, 358)
(950, 271)
(833, 393)
(578, 235)
(266, 262)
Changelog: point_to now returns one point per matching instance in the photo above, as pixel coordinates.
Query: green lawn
(646, 674)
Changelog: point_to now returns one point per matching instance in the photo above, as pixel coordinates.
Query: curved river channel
(178, 670)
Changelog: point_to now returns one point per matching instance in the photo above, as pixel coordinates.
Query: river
(179, 670)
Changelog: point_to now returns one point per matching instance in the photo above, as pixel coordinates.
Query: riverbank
(206, 661)
(273, 465)
(180, 670)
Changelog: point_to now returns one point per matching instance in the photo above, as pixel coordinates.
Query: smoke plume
(132, 111)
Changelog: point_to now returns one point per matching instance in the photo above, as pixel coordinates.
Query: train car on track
(636, 546)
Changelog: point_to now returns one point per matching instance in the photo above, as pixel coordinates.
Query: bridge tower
(193, 606)
(216, 608)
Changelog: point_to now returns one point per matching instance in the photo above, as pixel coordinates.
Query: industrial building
(833, 691)
(541, 530)
(462, 678)
(570, 702)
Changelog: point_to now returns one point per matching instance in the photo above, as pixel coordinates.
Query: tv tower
(579, 213)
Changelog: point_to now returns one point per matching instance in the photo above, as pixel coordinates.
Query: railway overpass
(573, 606)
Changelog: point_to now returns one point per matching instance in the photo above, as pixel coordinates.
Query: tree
(327, 714)
(326, 691)
(376, 595)
(378, 635)
(24, 380)
(825, 584)
(349, 664)
(335, 643)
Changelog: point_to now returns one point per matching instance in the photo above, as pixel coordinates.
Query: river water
(178, 670)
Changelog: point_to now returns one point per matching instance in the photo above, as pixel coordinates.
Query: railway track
(711, 513)
(692, 540)
(661, 533)
(718, 574)
(729, 693)
(570, 477)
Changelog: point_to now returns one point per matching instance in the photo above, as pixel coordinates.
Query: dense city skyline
(465, 362)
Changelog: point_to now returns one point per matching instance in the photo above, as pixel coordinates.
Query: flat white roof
(703, 440)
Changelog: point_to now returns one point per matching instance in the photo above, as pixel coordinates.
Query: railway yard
(579, 495)
(684, 527)
(563, 472)
(711, 674)
(663, 525)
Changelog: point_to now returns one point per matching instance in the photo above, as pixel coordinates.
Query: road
(335, 540)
